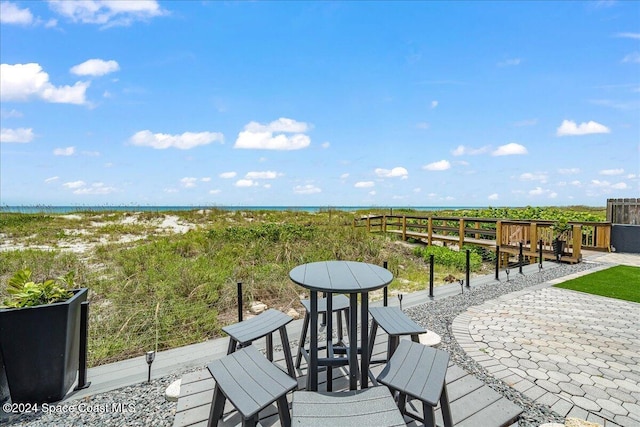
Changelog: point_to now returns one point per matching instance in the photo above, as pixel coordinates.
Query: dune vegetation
(160, 280)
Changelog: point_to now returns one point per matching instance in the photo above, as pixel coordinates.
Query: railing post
(520, 258)
(368, 223)
(477, 227)
(468, 277)
(540, 254)
(498, 263)
(404, 228)
(431, 257)
(430, 231)
(385, 291)
(239, 301)
(498, 233)
(384, 223)
(577, 242)
(461, 235)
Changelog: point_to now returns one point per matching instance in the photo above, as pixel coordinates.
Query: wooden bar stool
(396, 324)
(251, 383)
(368, 407)
(340, 304)
(417, 371)
(243, 333)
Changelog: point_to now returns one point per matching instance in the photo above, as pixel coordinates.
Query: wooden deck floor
(472, 402)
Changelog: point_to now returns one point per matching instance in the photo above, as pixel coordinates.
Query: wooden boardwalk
(494, 234)
(472, 402)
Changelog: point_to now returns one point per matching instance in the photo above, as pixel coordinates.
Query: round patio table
(342, 277)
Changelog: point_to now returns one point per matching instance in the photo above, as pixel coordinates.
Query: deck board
(472, 402)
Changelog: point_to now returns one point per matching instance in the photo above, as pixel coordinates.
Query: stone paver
(576, 352)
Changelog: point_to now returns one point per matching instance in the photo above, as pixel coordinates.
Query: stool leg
(428, 415)
(270, 347)
(445, 408)
(283, 411)
(232, 345)
(414, 338)
(372, 337)
(217, 407)
(339, 320)
(303, 338)
(286, 349)
(250, 422)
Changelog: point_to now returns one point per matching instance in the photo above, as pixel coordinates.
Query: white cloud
(509, 62)
(528, 176)
(186, 141)
(611, 172)
(462, 150)
(21, 135)
(227, 175)
(569, 171)
(52, 179)
(569, 127)
(95, 67)
(326, 145)
(576, 183)
(68, 151)
(97, 188)
(20, 82)
(215, 191)
(606, 185)
(74, 184)
(493, 196)
(107, 12)
(372, 193)
(262, 175)
(438, 166)
(188, 182)
(205, 179)
(510, 149)
(633, 58)
(434, 104)
(553, 195)
(364, 184)
(629, 35)
(397, 172)
(12, 14)
(344, 176)
(537, 191)
(11, 114)
(306, 189)
(272, 136)
(245, 183)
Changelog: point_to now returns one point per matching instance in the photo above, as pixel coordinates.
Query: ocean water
(135, 208)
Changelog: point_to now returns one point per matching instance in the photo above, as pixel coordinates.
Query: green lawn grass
(621, 282)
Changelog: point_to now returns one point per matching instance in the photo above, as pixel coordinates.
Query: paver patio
(576, 352)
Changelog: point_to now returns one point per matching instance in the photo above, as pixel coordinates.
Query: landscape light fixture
(461, 281)
(507, 271)
(150, 356)
(400, 299)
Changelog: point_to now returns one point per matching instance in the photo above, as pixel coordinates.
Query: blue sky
(319, 103)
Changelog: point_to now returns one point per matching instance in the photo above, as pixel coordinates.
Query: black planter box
(40, 349)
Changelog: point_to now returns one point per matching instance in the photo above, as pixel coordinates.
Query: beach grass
(621, 282)
(162, 279)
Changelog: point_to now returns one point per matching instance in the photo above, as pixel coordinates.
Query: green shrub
(447, 257)
(24, 292)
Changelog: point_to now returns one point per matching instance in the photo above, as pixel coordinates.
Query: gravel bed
(144, 404)
(439, 315)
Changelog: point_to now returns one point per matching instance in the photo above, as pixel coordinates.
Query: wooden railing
(506, 234)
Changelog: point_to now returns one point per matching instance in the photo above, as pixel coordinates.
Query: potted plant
(40, 337)
(560, 229)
